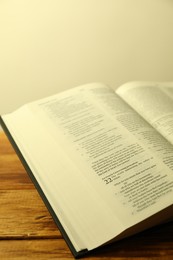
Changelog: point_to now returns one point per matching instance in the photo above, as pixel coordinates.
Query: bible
(101, 159)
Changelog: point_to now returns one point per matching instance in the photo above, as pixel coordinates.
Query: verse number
(108, 180)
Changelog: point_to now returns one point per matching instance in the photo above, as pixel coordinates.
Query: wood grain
(27, 230)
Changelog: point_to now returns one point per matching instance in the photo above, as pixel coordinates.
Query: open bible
(102, 160)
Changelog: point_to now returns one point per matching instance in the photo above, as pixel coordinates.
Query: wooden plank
(23, 215)
(34, 249)
(12, 172)
(5, 146)
(57, 249)
(12, 175)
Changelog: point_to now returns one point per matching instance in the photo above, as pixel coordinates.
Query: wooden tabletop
(27, 230)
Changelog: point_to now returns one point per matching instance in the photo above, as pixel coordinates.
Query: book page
(105, 176)
(91, 123)
(154, 102)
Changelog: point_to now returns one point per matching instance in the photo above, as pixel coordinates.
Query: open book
(101, 159)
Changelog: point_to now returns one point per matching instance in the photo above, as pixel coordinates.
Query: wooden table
(27, 230)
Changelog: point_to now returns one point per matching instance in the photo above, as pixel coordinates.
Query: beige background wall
(50, 45)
